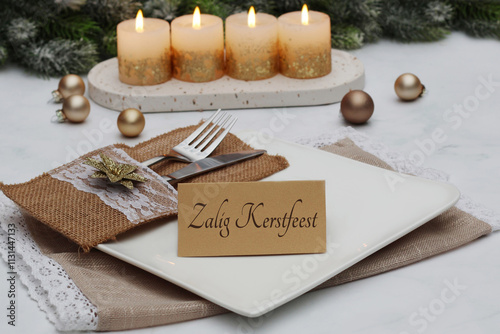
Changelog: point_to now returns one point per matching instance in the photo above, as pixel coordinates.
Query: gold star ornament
(114, 171)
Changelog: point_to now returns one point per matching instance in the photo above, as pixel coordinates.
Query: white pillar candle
(197, 47)
(305, 44)
(252, 46)
(143, 53)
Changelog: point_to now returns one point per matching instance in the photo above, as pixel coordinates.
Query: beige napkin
(127, 297)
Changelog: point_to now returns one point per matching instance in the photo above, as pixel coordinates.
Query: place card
(251, 218)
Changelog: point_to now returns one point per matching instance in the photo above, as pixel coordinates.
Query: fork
(195, 147)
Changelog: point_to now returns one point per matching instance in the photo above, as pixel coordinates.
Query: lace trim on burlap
(147, 200)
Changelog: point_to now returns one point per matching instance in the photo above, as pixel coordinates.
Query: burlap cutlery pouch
(91, 211)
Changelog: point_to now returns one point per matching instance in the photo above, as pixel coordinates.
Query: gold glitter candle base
(251, 68)
(197, 66)
(145, 72)
(305, 63)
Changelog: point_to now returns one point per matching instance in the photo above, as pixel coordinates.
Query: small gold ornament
(131, 122)
(75, 109)
(408, 87)
(114, 171)
(357, 106)
(70, 84)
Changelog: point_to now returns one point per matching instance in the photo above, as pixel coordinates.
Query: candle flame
(251, 17)
(139, 22)
(305, 15)
(197, 18)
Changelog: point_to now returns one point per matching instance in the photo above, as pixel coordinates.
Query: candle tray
(226, 93)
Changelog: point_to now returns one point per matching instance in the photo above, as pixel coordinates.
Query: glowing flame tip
(305, 15)
(139, 22)
(197, 18)
(251, 17)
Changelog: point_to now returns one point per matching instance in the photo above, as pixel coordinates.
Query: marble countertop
(462, 77)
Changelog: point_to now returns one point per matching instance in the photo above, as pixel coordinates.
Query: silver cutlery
(209, 164)
(195, 147)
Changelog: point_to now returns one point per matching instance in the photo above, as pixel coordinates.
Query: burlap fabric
(127, 297)
(85, 219)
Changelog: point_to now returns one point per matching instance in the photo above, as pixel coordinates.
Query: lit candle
(143, 51)
(305, 44)
(197, 47)
(251, 46)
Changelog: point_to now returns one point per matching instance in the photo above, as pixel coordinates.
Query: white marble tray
(106, 89)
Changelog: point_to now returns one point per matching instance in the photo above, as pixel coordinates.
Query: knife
(208, 164)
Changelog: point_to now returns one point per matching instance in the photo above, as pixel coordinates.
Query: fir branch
(479, 10)
(70, 4)
(108, 45)
(60, 57)
(481, 19)
(40, 10)
(478, 28)
(285, 6)
(162, 9)
(4, 54)
(438, 12)
(21, 31)
(407, 22)
(406, 31)
(367, 19)
(221, 9)
(347, 37)
(72, 25)
(362, 14)
(263, 6)
(111, 12)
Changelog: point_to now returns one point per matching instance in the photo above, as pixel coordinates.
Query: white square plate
(364, 214)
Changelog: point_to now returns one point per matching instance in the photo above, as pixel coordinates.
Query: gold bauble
(70, 84)
(131, 122)
(408, 87)
(76, 109)
(357, 106)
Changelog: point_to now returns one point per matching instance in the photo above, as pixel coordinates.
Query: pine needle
(60, 57)
(72, 25)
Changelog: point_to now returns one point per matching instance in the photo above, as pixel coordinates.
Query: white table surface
(394, 302)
